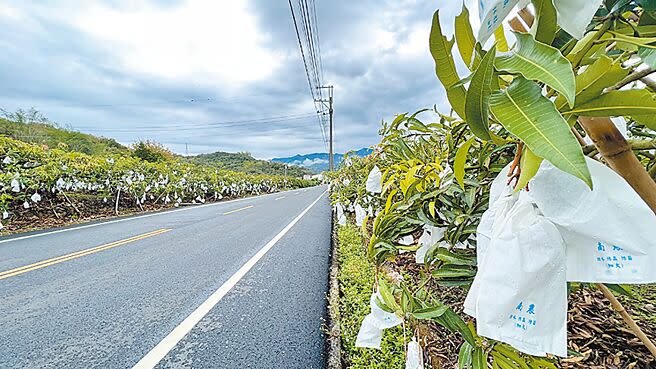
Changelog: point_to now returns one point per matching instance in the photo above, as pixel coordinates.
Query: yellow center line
(236, 210)
(78, 254)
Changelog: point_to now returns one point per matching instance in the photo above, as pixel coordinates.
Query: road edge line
(157, 353)
(129, 217)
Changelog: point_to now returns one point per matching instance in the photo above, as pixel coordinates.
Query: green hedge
(356, 276)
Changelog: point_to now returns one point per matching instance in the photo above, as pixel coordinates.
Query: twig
(515, 169)
(635, 76)
(636, 145)
(73, 205)
(53, 209)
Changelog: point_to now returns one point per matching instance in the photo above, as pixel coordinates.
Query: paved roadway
(238, 284)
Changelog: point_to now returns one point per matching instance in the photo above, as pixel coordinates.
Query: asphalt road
(238, 284)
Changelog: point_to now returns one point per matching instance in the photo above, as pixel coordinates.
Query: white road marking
(280, 198)
(154, 356)
(137, 217)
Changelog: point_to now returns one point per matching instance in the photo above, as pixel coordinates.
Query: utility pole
(330, 112)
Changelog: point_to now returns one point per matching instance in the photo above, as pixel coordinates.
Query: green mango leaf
(537, 61)
(460, 160)
(430, 312)
(445, 68)
(632, 40)
(601, 74)
(457, 95)
(530, 163)
(465, 36)
(453, 258)
(647, 5)
(621, 289)
(648, 56)
(465, 356)
(479, 358)
(500, 39)
(647, 18)
(545, 24)
(639, 104)
(477, 104)
(527, 114)
(453, 272)
(386, 293)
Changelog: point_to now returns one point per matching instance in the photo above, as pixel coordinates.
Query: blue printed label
(523, 316)
(614, 259)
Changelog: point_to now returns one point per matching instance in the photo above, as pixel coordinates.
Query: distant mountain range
(318, 162)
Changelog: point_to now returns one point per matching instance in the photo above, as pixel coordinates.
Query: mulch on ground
(595, 331)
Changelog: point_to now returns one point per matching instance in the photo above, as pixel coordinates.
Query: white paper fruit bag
(608, 230)
(501, 200)
(431, 236)
(374, 181)
(360, 214)
(371, 330)
(521, 297)
(341, 218)
(414, 356)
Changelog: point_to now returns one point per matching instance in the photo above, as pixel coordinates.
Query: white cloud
(205, 42)
(309, 162)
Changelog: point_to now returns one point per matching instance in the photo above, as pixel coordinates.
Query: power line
(191, 100)
(187, 127)
(309, 58)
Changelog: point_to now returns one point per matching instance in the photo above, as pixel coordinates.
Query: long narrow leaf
(639, 104)
(460, 160)
(445, 68)
(477, 105)
(537, 61)
(465, 36)
(527, 114)
(545, 21)
(601, 74)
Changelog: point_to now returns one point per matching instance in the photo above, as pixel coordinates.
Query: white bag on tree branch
(371, 330)
(360, 214)
(608, 230)
(375, 181)
(501, 200)
(521, 297)
(427, 240)
(414, 357)
(341, 218)
(575, 15)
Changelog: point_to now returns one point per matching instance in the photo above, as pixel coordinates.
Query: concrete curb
(334, 339)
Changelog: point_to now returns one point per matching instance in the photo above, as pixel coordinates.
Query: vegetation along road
(232, 284)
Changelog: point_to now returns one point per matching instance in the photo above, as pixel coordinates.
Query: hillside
(244, 162)
(48, 134)
(32, 127)
(318, 162)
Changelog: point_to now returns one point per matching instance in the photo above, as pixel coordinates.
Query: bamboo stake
(73, 205)
(619, 156)
(118, 196)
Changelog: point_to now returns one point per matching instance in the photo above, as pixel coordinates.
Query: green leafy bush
(30, 175)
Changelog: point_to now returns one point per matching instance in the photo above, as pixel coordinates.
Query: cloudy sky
(186, 72)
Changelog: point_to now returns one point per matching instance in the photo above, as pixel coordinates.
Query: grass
(642, 303)
(356, 278)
